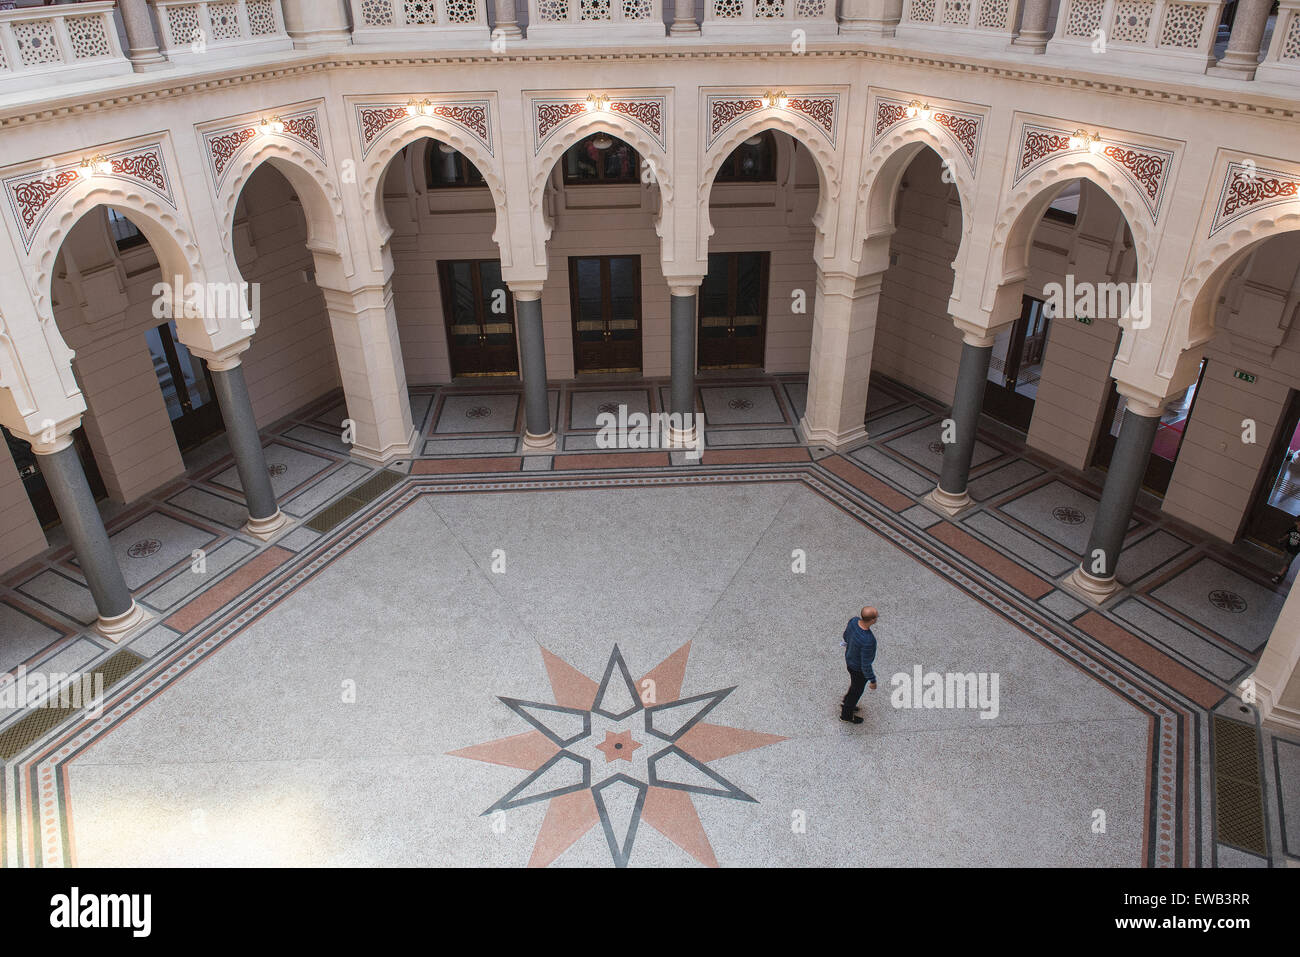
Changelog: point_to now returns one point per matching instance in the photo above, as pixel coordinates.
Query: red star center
(618, 745)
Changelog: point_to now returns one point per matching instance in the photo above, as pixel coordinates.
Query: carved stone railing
(991, 22)
(426, 22)
(767, 19)
(219, 28)
(557, 21)
(64, 43)
(1157, 33)
(1282, 62)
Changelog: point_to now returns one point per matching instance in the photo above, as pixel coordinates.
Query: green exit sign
(1244, 376)
(1086, 320)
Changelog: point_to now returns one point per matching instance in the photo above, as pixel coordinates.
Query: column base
(151, 64)
(1032, 42)
(123, 625)
(267, 528)
(399, 450)
(691, 29)
(538, 444)
(1096, 591)
(834, 440)
(1234, 66)
(509, 31)
(949, 503)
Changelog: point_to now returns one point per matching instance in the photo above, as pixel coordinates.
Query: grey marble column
(967, 403)
(141, 40)
(684, 24)
(507, 19)
(538, 436)
(1033, 26)
(66, 480)
(1128, 464)
(316, 23)
(875, 18)
(682, 310)
(1242, 56)
(264, 515)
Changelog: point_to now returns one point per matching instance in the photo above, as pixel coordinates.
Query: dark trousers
(857, 685)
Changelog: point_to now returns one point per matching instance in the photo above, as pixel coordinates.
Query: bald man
(859, 653)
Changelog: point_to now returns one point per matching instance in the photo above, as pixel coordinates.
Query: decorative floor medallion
(619, 754)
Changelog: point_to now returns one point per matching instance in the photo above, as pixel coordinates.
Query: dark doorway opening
(480, 318)
(29, 470)
(605, 294)
(1276, 502)
(1016, 366)
(186, 387)
(733, 311)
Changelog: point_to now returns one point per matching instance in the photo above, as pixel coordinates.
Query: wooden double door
(605, 303)
(733, 311)
(480, 317)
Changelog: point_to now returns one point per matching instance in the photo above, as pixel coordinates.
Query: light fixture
(97, 165)
(597, 102)
(273, 125)
(776, 101)
(446, 148)
(602, 142)
(418, 107)
(917, 108)
(754, 140)
(1082, 139)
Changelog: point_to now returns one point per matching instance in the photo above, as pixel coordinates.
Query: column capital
(1140, 401)
(977, 336)
(684, 285)
(526, 290)
(225, 358)
(53, 436)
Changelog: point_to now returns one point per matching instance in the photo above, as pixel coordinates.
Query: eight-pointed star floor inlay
(657, 785)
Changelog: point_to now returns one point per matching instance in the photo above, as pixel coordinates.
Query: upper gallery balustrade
(46, 48)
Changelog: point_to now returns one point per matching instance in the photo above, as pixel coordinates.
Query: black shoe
(1277, 579)
(847, 715)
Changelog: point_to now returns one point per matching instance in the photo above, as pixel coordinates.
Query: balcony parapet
(219, 29)
(432, 23)
(767, 19)
(1164, 34)
(582, 21)
(1282, 62)
(976, 24)
(70, 42)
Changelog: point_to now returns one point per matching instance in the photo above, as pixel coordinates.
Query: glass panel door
(1277, 497)
(1017, 365)
(480, 318)
(733, 311)
(605, 297)
(186, 387)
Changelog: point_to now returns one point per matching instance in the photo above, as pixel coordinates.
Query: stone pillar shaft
(967, 403)
(1033, 26)
(507, 19)
(538, 436)
(683, 353)
(245, 442)
(141, 40)
(684, 19)
(1128, 464)
(1242, 56)
(839, 370)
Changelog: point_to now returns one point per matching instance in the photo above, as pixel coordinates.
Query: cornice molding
(1230, 101)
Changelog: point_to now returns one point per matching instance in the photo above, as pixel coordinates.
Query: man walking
(859, 653)
(1291, 542)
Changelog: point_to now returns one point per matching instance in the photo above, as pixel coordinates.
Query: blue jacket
(861, 650)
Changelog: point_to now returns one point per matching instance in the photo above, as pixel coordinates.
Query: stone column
(950, 495)
(1242, 56)
(64, 477)
(684, 24)
(1033, 33)
(316, 23)
(839, 369)
(1094, 579)
(141, 40)
(683, 311)
(875, 18)
(538, 435)
(507, 19)
(1275, 685)
(364, 324)
(264, 515)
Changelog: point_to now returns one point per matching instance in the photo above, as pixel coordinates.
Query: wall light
(273, 125)
(1082, 140)
(597, 102)
(97, 165)
(776, 101)
(416, 107)
(917, 108)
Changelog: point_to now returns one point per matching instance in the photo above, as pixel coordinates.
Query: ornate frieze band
(1247, 186)
(722, 111)
(554, 113)
(963, 127)
(222, 145)
(472, 116)
(1146, 167)
(33, 194)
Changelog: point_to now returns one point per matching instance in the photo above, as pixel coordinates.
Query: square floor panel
(797, 394)
(154, 543)
(64, 594)
(287, 466)
(1059, 511)
(24, 636)
(585, 407)
(492, 412)
(740, 405)
(1229, 604)
(923, 446)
